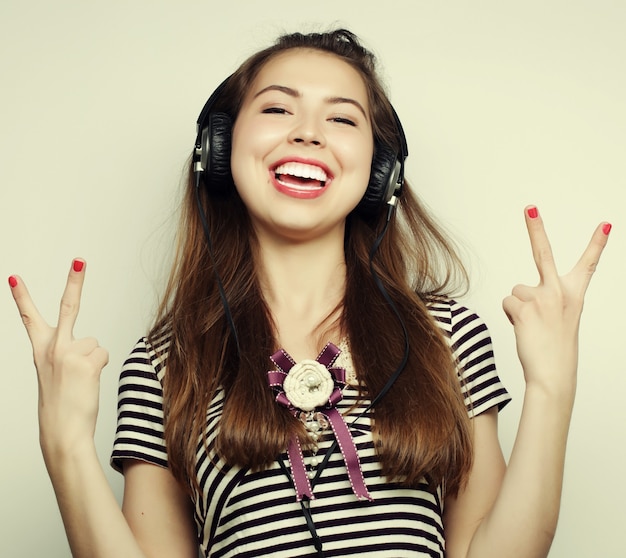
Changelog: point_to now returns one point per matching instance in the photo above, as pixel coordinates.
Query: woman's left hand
(546, 317)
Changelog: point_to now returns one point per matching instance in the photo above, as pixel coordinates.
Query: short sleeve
(472, 348)
(139, 433)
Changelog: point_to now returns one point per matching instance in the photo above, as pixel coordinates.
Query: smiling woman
(310, 386)
(306, 116)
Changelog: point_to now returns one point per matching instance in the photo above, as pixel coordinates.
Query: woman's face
(303, 145)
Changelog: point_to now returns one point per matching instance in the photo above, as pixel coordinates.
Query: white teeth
(302, 170)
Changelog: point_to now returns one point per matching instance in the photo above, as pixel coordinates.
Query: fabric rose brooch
(311, 389)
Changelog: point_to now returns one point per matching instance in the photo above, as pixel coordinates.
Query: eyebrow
(294, 93)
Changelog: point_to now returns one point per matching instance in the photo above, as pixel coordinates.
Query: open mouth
(301, 176)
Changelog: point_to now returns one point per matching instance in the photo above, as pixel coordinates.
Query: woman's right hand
(68, 372)
(68, 369)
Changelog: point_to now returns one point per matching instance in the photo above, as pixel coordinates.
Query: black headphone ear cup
(383, 176)
(216, 147)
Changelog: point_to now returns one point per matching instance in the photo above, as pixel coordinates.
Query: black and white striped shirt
(246, 514)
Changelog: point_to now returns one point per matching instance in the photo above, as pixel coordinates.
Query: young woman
(310, 388)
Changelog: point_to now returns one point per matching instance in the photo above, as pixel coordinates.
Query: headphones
(213, 148)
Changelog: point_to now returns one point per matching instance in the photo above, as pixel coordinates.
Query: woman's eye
(274, 110)
(343, 120)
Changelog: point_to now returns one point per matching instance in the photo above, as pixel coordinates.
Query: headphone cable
(305, 503)
(218, 279)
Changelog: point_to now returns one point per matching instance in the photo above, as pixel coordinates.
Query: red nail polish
(78, 265)
(532, 212)
(12, 282)
(606, 228)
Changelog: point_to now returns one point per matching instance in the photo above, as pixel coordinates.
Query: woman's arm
(68, 372)
(510, 511)
(514, 513)
(158, 511)
(465, 512)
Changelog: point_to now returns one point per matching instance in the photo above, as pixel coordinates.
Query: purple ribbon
(276, 378)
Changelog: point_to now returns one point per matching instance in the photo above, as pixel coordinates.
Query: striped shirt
(253, 514)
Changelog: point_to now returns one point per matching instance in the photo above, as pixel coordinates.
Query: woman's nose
(307, 132)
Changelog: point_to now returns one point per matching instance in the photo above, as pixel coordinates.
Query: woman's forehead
(302, 69)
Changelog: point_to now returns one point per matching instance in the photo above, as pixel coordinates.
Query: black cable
(405, 357)
(218, 279)
(305, 505)
(381, 288)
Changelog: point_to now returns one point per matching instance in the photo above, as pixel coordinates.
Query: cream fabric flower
(303, 387)
(308, 385)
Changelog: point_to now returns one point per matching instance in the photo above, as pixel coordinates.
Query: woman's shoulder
(471, 346)
(465, 330)
(452, 316)
(148, 356)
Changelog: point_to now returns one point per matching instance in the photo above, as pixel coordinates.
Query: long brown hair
(416, 264)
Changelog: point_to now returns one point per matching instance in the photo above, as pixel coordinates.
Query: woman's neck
(303, 285)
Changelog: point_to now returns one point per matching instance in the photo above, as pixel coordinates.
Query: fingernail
(12, 282)
(532, 212)
(78, 265)
(606, 228)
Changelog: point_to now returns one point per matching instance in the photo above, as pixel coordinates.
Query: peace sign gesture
(68, 369)
(546, 317)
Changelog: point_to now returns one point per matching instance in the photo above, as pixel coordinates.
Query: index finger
(31, 318)
(588, 262)
(70, 301)
(540, 245)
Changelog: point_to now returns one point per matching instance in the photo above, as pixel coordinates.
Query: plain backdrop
(504, 104)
